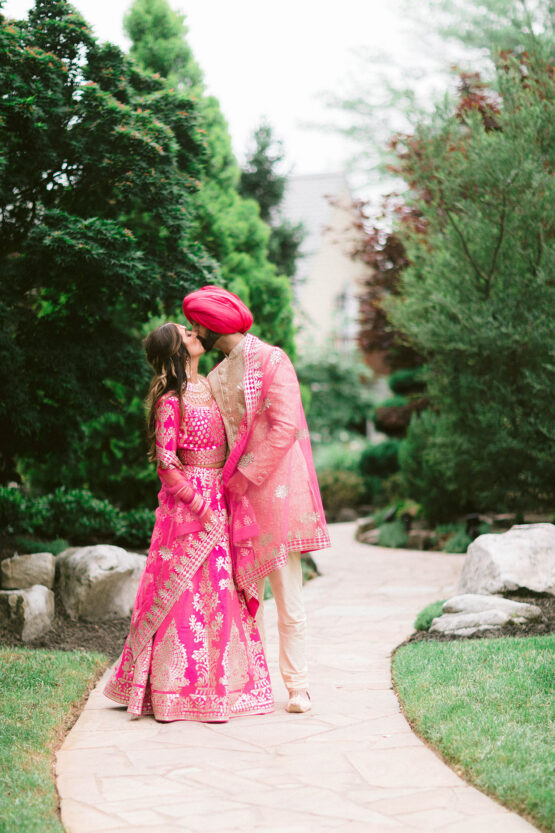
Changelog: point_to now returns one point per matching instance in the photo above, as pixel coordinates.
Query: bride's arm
(170, 468)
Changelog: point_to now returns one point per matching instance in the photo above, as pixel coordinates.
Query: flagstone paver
(353, 763)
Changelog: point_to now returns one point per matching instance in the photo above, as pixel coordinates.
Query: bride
(193, 651)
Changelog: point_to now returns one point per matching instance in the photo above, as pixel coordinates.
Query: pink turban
(218, 310)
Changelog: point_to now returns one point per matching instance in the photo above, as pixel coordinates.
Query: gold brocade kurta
(258, 395)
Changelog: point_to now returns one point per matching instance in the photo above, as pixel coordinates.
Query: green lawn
(37, 692)
(488, 706)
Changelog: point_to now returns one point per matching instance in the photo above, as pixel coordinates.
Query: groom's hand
(237, 485)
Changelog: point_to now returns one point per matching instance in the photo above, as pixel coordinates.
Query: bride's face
(191, 342)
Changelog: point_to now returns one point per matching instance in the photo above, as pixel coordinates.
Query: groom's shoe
(299, 701)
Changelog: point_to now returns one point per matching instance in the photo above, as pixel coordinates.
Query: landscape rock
(364, 525)
(28, 613)
(100, 582)
(475, 603)
(370, 536)
(503, 521)
(523, 557)
(23, 571)
(469, 613)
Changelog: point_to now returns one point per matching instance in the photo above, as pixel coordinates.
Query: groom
(269, 478)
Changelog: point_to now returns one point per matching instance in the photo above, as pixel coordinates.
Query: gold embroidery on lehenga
(169, 662)
(235, 661)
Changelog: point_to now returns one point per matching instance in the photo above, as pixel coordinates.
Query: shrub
(393, 534)
(20, 513)
(340, 489)
(138, 525)
(24, 545)
(339, 456)
(432, 465)
(408, 380)
(14, 516)
(380, 460)
(458, 542)
(80, 516)
(334, 379)
(425, 617)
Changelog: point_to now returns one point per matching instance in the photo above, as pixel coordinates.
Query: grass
(487, 706)
(426, 616)
(39, 693)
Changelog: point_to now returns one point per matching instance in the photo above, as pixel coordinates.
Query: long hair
(167, 355)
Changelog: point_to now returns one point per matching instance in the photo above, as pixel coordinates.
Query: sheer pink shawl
(281, 509)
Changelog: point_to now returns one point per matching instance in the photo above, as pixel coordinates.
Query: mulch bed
(542, 600)
(67, 635)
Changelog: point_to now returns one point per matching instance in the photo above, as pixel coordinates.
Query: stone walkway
(353, 763)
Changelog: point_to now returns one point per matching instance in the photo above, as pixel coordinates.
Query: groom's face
(208, 338)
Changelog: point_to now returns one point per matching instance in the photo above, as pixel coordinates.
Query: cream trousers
(286, 585)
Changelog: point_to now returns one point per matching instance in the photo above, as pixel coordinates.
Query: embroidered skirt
(205, 661)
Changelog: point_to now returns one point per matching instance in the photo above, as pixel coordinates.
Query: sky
(263, 59)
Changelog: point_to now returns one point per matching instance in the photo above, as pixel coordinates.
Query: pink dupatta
(281, 509)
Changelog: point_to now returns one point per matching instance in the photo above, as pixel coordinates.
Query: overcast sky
(274, 60)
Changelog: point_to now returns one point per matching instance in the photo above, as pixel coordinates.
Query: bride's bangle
(197, 504)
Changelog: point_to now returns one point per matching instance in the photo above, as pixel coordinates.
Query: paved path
(351, 764)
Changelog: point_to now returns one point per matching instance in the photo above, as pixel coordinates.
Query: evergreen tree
(493, 25)
(262, 180)
(478, 297)
(228, 226)
(99, 164)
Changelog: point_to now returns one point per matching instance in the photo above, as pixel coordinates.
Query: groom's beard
(208, 341)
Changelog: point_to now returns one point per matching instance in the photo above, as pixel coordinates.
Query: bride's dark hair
(167, 354)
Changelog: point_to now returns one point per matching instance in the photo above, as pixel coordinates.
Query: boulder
(469, 613)
(364, 525)
(28, 613)
(23, 571)
(370, 537)
(98, 582)
(475, 603)
(523, 557)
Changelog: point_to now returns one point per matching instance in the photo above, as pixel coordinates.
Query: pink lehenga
(193, 651)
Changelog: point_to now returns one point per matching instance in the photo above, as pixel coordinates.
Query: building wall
(327, 282)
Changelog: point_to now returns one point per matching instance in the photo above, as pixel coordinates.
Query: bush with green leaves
(380, 460)
(341, 401)
(428, 614)
(72, 514)
(340, 489)
(24, 544)
(339, 455)
(13, 511)
(82, 518)
(393, 534)
(139, 524)
(19, 513)
(407, 380)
